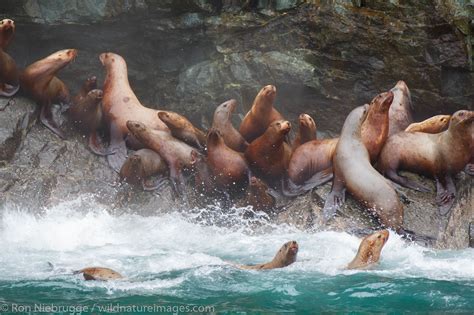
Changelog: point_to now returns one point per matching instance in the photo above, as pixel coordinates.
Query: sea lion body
(9, 74)
(222, 122)
(283, 258)
(257, 195)
(141, 165)
(439, 156)
(228, 166)
(400, 113)
(89, 84)
(306, 131)
(269, 155)
(354, 172)
(99, 274)
(203, 179)
(182, 129)
(369, 251)
(40, 82)
(435, 124)
(261, 115)
(86, 114)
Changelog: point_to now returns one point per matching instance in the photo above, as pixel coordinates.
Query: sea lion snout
(294, 246)
(135, 126)
(269, 90)
(96, 93)
(463, 116)
(283, 125)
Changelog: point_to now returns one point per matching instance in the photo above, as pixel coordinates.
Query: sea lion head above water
(369, 250)
(285, 256)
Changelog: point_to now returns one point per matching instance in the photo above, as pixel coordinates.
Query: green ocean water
(175, 263)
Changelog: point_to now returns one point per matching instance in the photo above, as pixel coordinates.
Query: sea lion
(435, 124)
(283, 258)
(261, 115)
(99, 274)
(439, 156)
(222, 122)
(140, 166)
(203, 179)
(9, 75)
(258, 196)
(401, 109)
(182, 129)
(306, 131)
(354, 172)
(369, 250)
(89, 84)
(176, 153)
(228, 166)
(269, 155)
(119, 105)
(40, 82)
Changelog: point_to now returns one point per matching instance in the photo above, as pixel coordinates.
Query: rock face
(190, 56)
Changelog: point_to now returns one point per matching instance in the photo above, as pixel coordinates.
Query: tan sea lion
(182, 129)
(433, 124)
(89, 84)
(176, 153)
(306, 131)
(9, 75)
(258, 196)
(40, 82)
(119, 105)
(228, 166)
(269, 155)
(283, 258)
(440, 156)
(99, 274)
(140, 166)
(222, 122)
(354, 172)
(261, 115)
(369, 250)
(400, 114)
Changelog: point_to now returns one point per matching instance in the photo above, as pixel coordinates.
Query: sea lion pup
(9, 75)
(369, 250)
(306, 131)
(258, 196)
(354, 172)
(269, 155)
(285, 256)
(99, 274)
(228, 166)
(433, 124)
(182, 129)
(40, 82)
(176, 153)
(140, 166)
(222, 122)
(261, 115)
(401, 109)
(89, 84)
(440, 156)
(119, 105)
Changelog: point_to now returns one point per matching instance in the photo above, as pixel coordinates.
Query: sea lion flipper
(319, 179)
(290, 189)
(445, 194)
(402, 180)
(8, 90)
(46, 118)
(117, 145)
(334, 200)
(95, 147)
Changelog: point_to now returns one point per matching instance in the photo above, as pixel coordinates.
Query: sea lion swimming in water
(283, 258)
(9, 75)
(99, 274)
(222, 122)
(182, 129)
(369, 250)
(439, 156)
(40, 82)
(400, 114)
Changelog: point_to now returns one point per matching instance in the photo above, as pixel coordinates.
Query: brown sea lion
(354, 172)
(119, 105)
(89, 84)
(182, 129)
(401, 109)
(306, 131)
(176, 153)
(433, 124)
(222, 122)
(99, 274)
(439, 156)
(40, 82)
(283, 258)
(258, 196)
(228, 166)
(261, 115)
(140, 166)
(9, 75)
(369, 250)
(269, 155)
(203, 179)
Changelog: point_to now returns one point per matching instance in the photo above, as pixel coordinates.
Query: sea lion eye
(380, 236)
